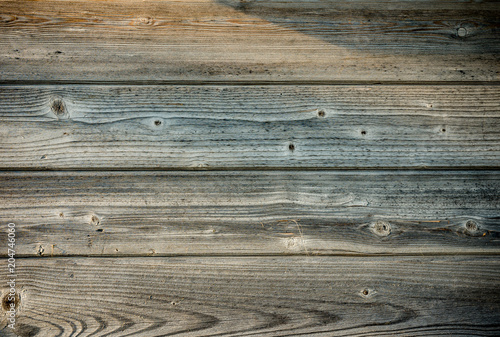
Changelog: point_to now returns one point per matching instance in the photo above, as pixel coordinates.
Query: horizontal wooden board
(287, 296)
(230, 40)
(252, 213)
(223, 127)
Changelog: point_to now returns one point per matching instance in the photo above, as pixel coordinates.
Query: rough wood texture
(251, 167)
(286, 296)
(319, 212)
(126, 40)
(209, 127)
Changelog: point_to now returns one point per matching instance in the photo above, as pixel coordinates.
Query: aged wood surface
(211, 127)
(267, 296)
(251, 168)
(197, 40)
(318, 212)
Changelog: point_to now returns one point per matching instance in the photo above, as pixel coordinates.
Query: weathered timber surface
(251, 168)
(249, 40)
(213, 127)
(252, 213)
(249, 296)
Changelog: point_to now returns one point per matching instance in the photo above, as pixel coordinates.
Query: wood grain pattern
(249, 40)
(214, 127)
(251, 167)
(252, 213)
(286, 296)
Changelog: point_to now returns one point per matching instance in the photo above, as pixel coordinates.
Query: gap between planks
(249, 169)
(286, 296)
(245, 83)
(263, 255)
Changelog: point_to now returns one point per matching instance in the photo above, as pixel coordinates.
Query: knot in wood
(94, 220)
(148, 21)
(9, 301)
(58, 107)
(367, 292)
(382, 228)
(471, 226)
(462, 32)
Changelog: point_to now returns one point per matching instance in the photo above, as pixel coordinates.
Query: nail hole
(291, 147)
(443, 130)
(43, 157)
(40, 250)
(321, 113)
(363, 132)
(157, 123)
(365, 292)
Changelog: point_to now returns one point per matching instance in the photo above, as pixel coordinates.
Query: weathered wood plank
(213, 127)
(252, 213)
(249, 40)
(286, 296)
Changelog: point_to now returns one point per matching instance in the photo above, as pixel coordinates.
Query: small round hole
(365, 292)
(291, 147)
(157, 123)
(363, 132)
(443, 130)
(321, 113)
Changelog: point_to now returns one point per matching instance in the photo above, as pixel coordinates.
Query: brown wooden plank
(249, 40)
(286, 296)
(252, 213)
(222, 127)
